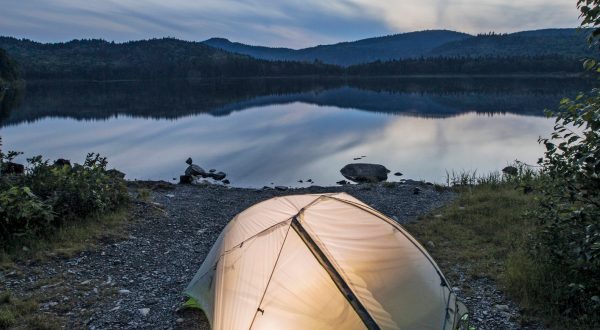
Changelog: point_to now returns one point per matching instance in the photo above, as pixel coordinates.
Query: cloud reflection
(284, 143)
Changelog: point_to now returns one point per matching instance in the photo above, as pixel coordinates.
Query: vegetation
(487, 230)
(48, 197)
(8, 70)
(565, 43)
(160, 59)
(543, 247)
(148, 59)
(13, 309)
(470, 65)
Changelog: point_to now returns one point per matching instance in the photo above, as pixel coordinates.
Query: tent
(323, 261)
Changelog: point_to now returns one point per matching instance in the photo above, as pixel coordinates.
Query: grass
(19, 314)
(480, 228)
(24, 312)
(65, 241)
(488, 229)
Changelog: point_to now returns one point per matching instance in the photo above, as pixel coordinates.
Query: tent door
(335, 275)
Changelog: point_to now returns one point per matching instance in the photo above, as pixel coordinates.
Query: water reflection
(282, 143)
(180, 98)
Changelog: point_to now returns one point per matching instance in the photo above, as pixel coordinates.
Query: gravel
(137, 282)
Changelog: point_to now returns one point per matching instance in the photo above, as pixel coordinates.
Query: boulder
(226, 181)
(281, 188)
(363, 172)
(116, 173)
(510, 170)
(62, 162)
(217, 176)
(189, 161)
(212, 170)
(398, 174)
(195, 170)
(186, 179)
(342, 182)
(416, 191)
(12, 168)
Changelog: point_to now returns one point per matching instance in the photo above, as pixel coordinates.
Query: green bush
(48, 196)
(76, 192)
(569, 212)
(22, 212)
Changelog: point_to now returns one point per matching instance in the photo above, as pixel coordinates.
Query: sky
(283, 23)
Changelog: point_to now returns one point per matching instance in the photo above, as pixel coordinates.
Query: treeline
(147, 59)
(158, 59)
(8, 70)
(470, 65)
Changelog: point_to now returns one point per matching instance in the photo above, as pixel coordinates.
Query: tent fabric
(297, 262)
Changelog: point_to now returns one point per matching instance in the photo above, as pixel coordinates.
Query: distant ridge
(428, 43)
(397, 46)
(432, 52)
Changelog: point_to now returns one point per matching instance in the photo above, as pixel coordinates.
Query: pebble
(144, 311)
(501, 307)
(124, 291)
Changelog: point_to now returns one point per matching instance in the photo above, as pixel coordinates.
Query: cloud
(291, 23)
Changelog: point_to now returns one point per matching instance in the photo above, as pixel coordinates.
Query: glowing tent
(321, 262)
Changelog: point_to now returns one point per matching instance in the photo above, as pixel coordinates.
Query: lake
(280, 131)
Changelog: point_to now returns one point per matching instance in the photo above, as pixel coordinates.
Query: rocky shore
(137, 281)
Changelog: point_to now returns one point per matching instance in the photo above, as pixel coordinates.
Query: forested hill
(434, 43)
(146, 59)
(398, 46)
(8, 70)
(563, 42)
(171, 58)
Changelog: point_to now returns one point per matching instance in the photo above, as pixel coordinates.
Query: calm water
(265, 131)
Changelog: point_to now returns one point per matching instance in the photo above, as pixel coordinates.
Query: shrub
(79, 191)
(48, 196)
(22, 212)
(569, 212)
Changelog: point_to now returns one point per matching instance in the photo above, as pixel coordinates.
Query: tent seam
(270, 277)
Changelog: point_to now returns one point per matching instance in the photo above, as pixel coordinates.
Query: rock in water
(398, 174)
(226, 181)
(195, 170)
(363, 172)
(342, 182)
(510, 170)
(189, 161)
(281, 188)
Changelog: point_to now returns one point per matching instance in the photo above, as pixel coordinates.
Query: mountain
(564, 42)
(144, 59)
(398, 46)
(432, 43)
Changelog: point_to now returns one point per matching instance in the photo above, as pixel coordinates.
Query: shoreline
(554, 75)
